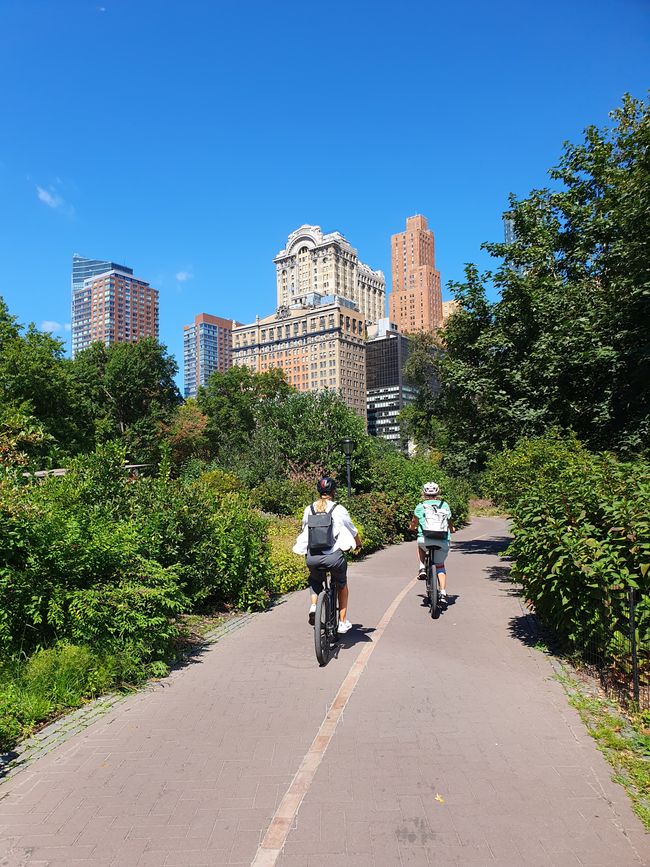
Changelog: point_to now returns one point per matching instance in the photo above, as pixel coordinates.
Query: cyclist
(346, 537)
(431, 497)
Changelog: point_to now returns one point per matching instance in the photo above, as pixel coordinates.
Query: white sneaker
(344, 626)
(312, 615)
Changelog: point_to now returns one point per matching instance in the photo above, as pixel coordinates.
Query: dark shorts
(319, 563)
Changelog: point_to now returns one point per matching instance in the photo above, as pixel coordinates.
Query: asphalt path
(444, 742)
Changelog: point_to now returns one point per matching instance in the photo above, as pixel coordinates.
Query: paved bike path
(456, 747)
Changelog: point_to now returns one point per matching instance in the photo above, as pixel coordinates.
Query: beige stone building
(415, 303)
(326, 264)
(319, 346)
(449, 307)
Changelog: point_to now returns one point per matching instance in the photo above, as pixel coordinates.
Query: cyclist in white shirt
(346, 537)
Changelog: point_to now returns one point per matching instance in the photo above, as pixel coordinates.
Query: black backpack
(320, 530)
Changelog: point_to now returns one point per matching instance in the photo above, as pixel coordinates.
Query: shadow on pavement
(451, 600)
(498, 573)
(495, 545)
(526, 629)
(5, 760)
(357, 635)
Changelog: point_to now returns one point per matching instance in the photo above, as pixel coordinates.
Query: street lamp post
(348, 447)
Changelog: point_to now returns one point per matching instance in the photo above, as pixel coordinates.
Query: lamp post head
(348, 446)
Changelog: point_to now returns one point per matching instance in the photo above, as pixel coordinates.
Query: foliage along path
(456, 746)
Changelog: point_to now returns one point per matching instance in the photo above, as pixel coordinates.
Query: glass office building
(83, 269)
(387, 392)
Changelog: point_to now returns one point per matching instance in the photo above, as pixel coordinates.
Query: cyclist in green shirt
(431, 497)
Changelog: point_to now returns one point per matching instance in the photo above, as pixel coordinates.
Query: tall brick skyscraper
(415, 304)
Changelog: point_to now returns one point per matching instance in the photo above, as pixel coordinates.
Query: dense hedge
(581, 538)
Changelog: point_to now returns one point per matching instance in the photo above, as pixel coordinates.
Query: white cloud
(67, 327)
(51, 325)
(184, 276)
(49, 197)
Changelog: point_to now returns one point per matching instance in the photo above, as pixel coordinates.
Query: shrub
(287, 571)
(135, 614)
(283, 496)
(510, 474)
(581, 539)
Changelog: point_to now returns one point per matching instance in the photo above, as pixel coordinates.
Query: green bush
(283, 496)
(581, 540)
(287, 571)
(532, 461)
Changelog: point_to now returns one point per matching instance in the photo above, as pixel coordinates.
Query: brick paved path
(456, 748)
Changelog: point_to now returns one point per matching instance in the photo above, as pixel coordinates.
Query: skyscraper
(319, 345)
(120, 309)
(82, 269)
(207, 346)
(388, 391)
(320, 263)
(415, 303)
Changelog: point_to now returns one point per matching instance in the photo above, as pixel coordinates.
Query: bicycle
(432, 584)
(326, 620)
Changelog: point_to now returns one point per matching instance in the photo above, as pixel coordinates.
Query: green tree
(301, 432)
(567, 342)
(229, 400)
(185, 433)
(35, 384)
(127, 391)
(419, 420)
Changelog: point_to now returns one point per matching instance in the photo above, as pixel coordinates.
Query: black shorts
(318, 564)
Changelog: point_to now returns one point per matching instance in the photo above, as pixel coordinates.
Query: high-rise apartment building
(388, 390)
(207, 347)
(509, 235)
(415, 303)
(320, 345)
(82, 270)
(326, 264)
(121, 309)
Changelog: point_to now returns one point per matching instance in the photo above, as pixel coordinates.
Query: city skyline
(209, 161)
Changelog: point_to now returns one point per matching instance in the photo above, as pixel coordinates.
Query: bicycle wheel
(432, 584)
(322, 628)
(333, 616)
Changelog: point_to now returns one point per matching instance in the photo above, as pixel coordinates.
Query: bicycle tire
(321, 629)
(432, 582)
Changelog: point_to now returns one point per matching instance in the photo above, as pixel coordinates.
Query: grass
(481, 508)
(623, 738)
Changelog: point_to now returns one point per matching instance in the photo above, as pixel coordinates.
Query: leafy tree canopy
(567, 342)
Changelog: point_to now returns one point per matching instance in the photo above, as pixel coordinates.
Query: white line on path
(281, 823)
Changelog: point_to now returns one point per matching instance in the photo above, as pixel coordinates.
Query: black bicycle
(326, 621)
(432, 584)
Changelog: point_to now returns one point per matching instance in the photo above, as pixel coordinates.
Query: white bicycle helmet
(430, 489)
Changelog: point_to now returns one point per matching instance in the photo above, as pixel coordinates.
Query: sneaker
(344, 626)
(422, 574)
(442, 596)
(312, 615)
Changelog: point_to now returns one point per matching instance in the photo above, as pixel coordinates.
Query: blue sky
(188, 139)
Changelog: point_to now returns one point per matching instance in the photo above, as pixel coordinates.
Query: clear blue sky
(187, 139)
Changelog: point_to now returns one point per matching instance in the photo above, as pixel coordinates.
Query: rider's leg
(439, 557)
(339, 571)
(316, 576)
(422, 554)
(343, 602)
